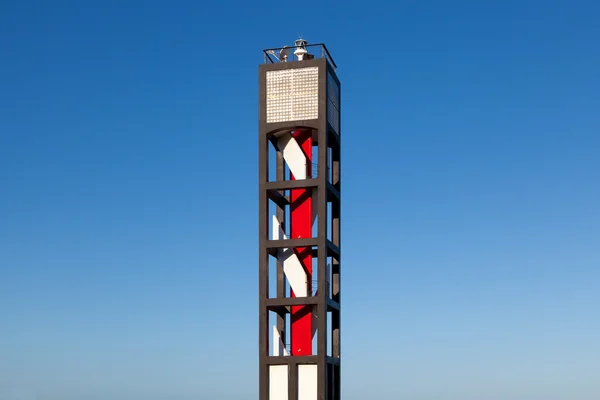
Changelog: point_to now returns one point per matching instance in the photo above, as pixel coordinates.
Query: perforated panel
(333, 103)
(293, 94)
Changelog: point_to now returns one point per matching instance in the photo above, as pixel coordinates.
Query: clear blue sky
(128, 137)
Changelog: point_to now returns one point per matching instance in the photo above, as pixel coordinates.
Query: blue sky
(128, 137)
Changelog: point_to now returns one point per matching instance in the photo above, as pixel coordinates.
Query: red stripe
(301, 227)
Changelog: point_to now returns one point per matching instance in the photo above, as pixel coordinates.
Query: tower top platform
(300, 51)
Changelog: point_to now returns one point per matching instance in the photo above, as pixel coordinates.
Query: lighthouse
(299, 138)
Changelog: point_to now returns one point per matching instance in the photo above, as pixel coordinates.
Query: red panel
(301, 227)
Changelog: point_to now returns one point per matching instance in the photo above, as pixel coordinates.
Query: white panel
(315, 317)
(293, 155)
(278, 382)
(315, 202)
(278, 233)
(307, 382)
(292, 267)
(278, 346)
(328, 279)
(292, 94)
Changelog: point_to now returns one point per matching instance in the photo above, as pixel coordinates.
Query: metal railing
(272, 56)
(315, 171)
(315, 287)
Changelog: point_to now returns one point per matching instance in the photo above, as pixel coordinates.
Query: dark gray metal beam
(297, 184)
(287, 243)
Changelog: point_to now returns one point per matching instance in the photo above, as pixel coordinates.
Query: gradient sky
(128, 162)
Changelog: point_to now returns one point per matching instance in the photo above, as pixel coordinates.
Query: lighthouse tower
(299, 139)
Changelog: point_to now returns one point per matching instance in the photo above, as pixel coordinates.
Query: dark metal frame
(325, 137)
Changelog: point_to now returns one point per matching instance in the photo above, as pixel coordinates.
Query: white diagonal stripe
(293, 155)
(292, 267)
(278, 346)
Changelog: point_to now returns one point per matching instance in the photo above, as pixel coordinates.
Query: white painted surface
(294, 272)
(315, 317)
(293, 155)
(328, 278)
(278, 232)
(278, 346)
(307, 382)
(292, 267)
(278, 382)
(315, 202)
(315, 322)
